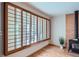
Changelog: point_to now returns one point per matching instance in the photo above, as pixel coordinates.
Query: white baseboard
(54, 44)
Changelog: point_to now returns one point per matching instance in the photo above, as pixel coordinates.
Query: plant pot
(61, 46)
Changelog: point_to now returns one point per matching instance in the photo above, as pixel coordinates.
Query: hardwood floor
(53, 51)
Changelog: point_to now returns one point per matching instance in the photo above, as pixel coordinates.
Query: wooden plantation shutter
(23, 28)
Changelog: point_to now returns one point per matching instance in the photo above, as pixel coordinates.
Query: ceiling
(56, 8)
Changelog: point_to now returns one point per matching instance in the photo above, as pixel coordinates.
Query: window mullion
(21, 28)
(46, 28)
(15, 26)
(37, 28)
(42, 29)
(26, 29)
(30, 27)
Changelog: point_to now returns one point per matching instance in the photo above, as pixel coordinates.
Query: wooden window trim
(6, 52)
(5, 43)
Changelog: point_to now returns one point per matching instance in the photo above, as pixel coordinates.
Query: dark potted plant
(61, 40)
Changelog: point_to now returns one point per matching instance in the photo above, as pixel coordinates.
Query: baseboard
(57, 45)
(54, 45)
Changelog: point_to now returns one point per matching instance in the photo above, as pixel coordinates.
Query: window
(40, 33)
(17, 28)
(23, 28)
(28, 29)
(34, 29)
(48, 29)
(11, 28)
(44, 29)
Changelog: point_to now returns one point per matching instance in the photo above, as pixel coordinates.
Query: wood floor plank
(53, 51)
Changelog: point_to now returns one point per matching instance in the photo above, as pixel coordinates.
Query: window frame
(5, 42)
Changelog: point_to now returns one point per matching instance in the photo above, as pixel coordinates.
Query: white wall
(58, 28)
(31, 49)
